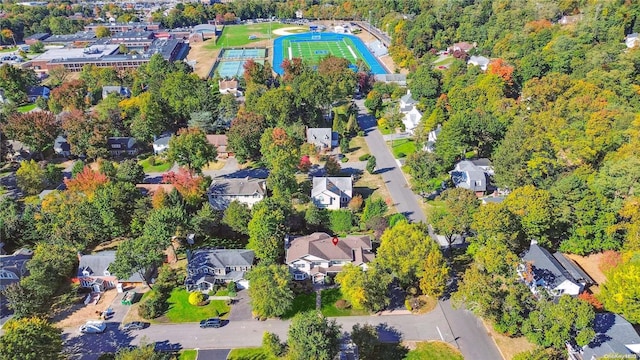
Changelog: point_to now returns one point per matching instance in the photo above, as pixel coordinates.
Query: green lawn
(238, 35)
(9, 49)
(329, 298)
(222, 292)
(181, 311)
(301, 303)
(160, 165)
(25, 108)
(403, 146)
(434, 350)
(385, 130)
(249, 354)
(188, 355)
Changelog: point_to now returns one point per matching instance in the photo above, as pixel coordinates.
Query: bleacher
(377, 48)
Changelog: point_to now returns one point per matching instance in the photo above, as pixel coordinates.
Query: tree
(138, 256)
(554, 324)
(478, 291)
(86, 182)
(435, 274)
(237, 216)
(244, 135)
(15, 82)
(316, 218)
(312, 336)
(115, 205)
(23, 302)
(36, 129)
(621, 291)
(371, 164)
(456, 216)
(270, 290)
(142, 351)
(31, 177)
(272, 345)
(191, 149)
(425, 169)
(203, 120)
(366, 338)
(266, 234)
(192, 188)
(165, 223)
(30, 339)
(494, 223)
(256, 73)
(37, 48)
(340, 221)
(373, 102)
(102, 32)
(86, 134)
(68, 96)
(339, 78)
(403, 249)
(533, 207)
(425, 85)
(373, 208)
(280, 153)
(130, 171)
(351, 280)
(332, 167)
(227, 111)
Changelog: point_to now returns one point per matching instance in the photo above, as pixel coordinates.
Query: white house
(317, 255)
(61, 146)
(322, 138)
(472, 175)
(331, 192)
(632, 40)
(480, 61)
(161, 144)
(412, 116)
(207, 267)
(556, 274)
(245, 190)
(432, 137)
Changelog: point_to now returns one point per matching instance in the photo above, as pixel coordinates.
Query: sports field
(240, 35)
(313, 51)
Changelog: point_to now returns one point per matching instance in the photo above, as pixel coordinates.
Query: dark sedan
(135, 325)
(213, 322)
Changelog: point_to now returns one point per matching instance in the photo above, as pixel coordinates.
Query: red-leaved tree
(87, 181)
(36, 129)
(191, 187)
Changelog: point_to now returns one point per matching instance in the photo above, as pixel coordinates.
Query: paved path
(405, 201)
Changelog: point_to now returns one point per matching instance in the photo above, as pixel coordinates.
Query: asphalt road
(405, 201)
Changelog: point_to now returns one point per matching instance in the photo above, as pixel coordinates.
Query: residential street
(403, 198)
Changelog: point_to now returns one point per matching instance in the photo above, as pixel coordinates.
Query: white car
(93, 327)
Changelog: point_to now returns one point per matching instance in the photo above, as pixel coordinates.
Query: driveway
(405, 201)
(241, 309)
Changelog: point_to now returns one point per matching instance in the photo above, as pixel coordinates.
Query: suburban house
(556, 274)
(61, 146)
(14, 267)
(207, 267)
(480, 61)
(3, 97)
(245, 190)
(462, 46)
(220, 142)
(632, 40)
(322, 138)
(432, 137)
(569, 19)
(319, 255)
(472, 175)
(332, 192)
(412, 116)
(35, 92)
(161, 144)
(120, 90)
(615, 338)
(93, 272)
(119, 146)
(229, 87)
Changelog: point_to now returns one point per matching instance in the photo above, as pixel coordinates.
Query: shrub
(342, 304)
(340, 221)
(401, 155)
(355, 204)
(272, 345)
(152, 308)
(407, 304)
(364, 157)
(371, 164)
(396, 218)
(152, 160)
(196, 298)
(591, 299)
(361, 133)
(231, 287)
(344, 159)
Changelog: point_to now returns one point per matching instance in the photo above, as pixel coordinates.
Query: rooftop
(321, 245)
(243, 186)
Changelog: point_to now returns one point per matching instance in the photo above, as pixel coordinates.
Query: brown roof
(321, 245)
(228, 84)
(217, 140)
(151, 189)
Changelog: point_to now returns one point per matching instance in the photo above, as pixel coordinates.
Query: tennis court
(313, 46)
(244, 53)
(233, 68)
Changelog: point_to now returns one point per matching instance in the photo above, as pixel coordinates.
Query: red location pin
(335, 240)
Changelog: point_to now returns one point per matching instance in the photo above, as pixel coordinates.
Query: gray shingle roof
(546, 267)
(244, 186)
(335, 185)
(97, 263)
(613, 333)
(469, 176)
(220, 258)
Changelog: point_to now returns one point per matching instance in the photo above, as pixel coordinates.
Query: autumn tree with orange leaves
(191, 187)
(86, 182)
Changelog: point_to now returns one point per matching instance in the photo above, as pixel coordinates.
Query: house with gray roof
(468, 175)
(322, 138)
(615, 338)
(332, 192)
(61, 146)
(119, 90)
(556, 274)
(94, 273)
(119, 146)
(480, 61)
(161, 144)
(14, 267)
(207, 267)
(319, 255)
(245, 190)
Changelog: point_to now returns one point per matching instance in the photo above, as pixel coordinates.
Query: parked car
(93, 327)
(135, 325)
(213, 322)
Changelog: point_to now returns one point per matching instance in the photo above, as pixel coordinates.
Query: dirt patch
(285, 31)
(590, 265)
(357, 147)
(215, 165)
(509, 347)
(203, 57)
(373, 185)
(81, 313)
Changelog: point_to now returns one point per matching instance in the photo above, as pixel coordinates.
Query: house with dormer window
(94, 272)
(322, 138)
(332, 193)
(207, 267)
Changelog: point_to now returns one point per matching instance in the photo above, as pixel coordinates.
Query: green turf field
(238, 35)
(313, 51)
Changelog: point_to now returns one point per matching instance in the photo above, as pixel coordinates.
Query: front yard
(156, 165)
(402, 147)
(329, 298)
(434, 350)
(301, 303)
(249, 354)
(181, 311)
